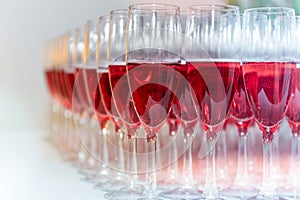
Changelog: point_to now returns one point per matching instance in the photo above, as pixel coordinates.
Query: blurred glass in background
(259, 3)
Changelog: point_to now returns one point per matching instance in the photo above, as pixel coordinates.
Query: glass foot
(289, 193)
(125, 193)
(263, 197)
(239, 192)
(111, 185)
(182, 193)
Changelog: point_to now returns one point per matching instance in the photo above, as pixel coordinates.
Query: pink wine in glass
(86, 87)
(240, 108)
(60, 86)
(153, 86)
(50, 81)
(106, 91)
(214, 85)
(293, 111)
(269, 88)
(69, 80)
(99, 107)
(121, 94)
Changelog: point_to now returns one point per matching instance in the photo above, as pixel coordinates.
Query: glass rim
(270, 10)
(104, 17)
(154, 7)
(213, 7)
(119, 11)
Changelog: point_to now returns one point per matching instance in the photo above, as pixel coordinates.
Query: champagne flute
(212, 53)
(122, 100)
(292, 189)
(153, 62)
(268, 65)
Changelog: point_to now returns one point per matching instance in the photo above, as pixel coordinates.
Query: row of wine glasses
(138, 92)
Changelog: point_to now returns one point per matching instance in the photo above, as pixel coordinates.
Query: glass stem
(104, 150)
(151, 184)
(188, 162)
(210, 188)
(172, 173)
(294, 171)
(267, 187)
(242, 167)
(120, 138)
(132, 162)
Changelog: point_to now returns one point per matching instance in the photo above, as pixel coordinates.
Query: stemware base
(125, 193)
(112, 185)
(182, 193)
(239, 192)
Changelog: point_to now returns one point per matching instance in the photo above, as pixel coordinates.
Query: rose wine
(69, 79)
(99, 107)
(105, 91)
(293, 111)
(77, 94)
(214, 85)
(50, 81)
(153, 86)
(173, 122)
(269, 88)
(60, 86)
(240, 108)
(121, 93)
(86, 86)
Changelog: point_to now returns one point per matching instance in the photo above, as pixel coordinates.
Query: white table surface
(31, 169)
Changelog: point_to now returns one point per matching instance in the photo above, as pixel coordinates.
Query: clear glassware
(49, 76)
(213, 64)
(184, 110)
(115, 136)
(242, 117)
(153, 62)
(268, 65)
(123, 105)
(292, 188)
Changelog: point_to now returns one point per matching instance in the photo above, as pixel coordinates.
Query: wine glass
(184, 109)
(153, 63)
(171, 181)
(292, 189)
(79, 98)
(115, 141)
(213, 63)
(65, 78)
(242, 117)
(84, 89)
(49, 73)
(268, 65)
(121, 99)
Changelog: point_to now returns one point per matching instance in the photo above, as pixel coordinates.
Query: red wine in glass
(50, 73)
(269, 88)
(106, 95)
(293, 111)
(153, 86)
(99, 108)
(69, 80)
(60, 86)
(121, 94)
(86, 85)
(214, 84)
(240, 108)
